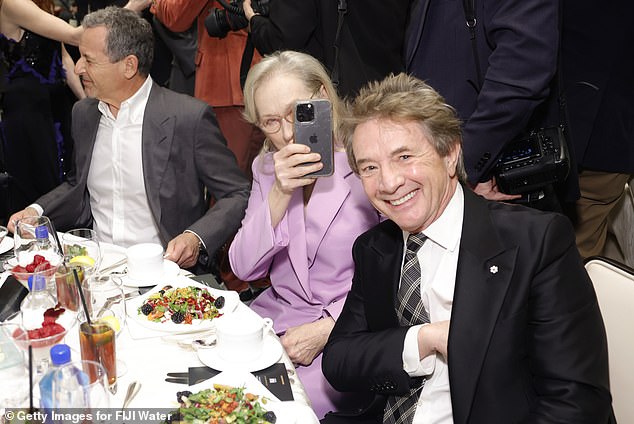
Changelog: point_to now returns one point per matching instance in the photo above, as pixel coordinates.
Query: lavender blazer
(308, 255)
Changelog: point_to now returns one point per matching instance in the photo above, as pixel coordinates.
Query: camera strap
(247, 58)
(342, 9)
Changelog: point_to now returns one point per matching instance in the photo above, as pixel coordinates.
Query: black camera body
(231, 18)
(530, 163)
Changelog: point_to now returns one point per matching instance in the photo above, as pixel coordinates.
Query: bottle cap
(60, 354)
(36, 282)
(41, 232)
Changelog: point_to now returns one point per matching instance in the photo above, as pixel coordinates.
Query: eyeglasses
(273, 124)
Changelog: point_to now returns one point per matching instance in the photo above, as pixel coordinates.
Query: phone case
(317, 134)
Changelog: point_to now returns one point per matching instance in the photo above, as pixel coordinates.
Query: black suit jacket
(526, 342)
(371, 37)
(183, 152)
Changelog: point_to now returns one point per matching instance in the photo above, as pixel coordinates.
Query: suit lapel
(418, 13)
(326, 200)
(383, 269)
(484, 273)
(158, 134)
(85, 149)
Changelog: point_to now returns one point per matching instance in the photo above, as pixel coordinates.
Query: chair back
(614, 285)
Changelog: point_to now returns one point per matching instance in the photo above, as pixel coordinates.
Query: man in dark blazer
(516, 44)
(179, 144)
(514, 331)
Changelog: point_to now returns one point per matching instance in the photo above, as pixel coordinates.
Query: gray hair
(128, 34)
(405, 98)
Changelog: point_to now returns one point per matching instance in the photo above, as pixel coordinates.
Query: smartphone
(313, 127)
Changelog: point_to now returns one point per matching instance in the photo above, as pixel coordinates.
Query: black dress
(36, 107)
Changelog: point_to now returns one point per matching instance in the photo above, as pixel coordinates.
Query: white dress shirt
(116, 183)
(438, 259)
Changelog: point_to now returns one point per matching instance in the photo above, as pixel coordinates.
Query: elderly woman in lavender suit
(300, 230)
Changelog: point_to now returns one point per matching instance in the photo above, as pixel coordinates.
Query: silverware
(133, 389)
(115, 299)
(111, 267)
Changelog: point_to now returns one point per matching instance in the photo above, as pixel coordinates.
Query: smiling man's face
(402, 174)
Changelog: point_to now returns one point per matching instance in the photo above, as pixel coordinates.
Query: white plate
(170, 270)
(232, 299)
(6, 244)
(271, 353)
(285, 412)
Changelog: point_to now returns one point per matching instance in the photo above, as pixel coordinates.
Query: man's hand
(304, 342)
(433, 338)
(489, 190)
(19, 215)
(183, 249)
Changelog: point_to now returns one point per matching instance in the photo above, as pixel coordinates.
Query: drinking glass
(80, 385)
(14, 373)
(34, 235)
(66, 287)
(81, 246)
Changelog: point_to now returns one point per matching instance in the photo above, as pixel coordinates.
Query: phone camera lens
(305, 112)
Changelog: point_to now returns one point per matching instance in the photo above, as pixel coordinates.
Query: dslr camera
(231, 17)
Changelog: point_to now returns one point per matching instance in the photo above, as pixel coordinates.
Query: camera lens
(305, 112)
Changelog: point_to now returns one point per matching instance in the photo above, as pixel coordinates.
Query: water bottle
(36, 302)
(60, 355)
(41, 237)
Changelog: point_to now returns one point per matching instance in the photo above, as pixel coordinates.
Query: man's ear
(452, 160)
(131, 66)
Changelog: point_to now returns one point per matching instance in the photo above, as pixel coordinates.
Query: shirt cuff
(412, 365)
(202, 243)
(38, 208)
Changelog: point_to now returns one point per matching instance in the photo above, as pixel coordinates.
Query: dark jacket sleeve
(289, 26)
(358, 358)
(518, 43)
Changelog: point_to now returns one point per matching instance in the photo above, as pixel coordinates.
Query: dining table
(146, 356)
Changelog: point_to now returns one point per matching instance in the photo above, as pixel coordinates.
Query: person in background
(370, 40)
(461, 309)
(144, 155)
(298, 228)
(35, 102)
(217, 73)
(497, 92)
(599, 89)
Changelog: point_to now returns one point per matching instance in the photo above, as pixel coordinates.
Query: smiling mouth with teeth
(403, 199)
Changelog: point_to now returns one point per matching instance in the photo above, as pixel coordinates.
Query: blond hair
(405, 98)
(300, 65)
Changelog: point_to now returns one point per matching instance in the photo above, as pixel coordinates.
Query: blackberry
(147, 308)
(178, 317)
(270, 417)
(184, 393)
(219, 302)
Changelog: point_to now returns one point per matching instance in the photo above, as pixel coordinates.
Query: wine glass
(14, 373)
(81, 246)
(80, 385)
(34, 235)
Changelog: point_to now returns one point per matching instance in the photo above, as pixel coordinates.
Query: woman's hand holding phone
(291, 169)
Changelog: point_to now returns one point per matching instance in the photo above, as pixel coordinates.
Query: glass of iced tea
(97, 343)
(67, 294)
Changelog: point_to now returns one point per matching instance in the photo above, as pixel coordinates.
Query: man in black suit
(495, 321)
(516, 46)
